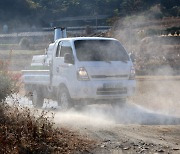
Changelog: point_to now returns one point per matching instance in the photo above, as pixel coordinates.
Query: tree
(130, 7)
(45, 11)
(171, 7)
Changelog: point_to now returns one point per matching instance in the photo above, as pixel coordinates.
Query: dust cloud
(159, 93)
(89, 116)
(105, 115)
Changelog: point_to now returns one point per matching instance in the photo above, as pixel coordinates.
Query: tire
(64, 100)
(37, 99)
(118, 103)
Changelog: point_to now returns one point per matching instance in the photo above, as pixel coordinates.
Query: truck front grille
(111, 91)
(109, 76)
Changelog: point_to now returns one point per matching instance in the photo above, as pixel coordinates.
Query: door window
(58, 49)
(65, 48)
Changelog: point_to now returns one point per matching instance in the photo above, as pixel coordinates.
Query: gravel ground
(139, 131)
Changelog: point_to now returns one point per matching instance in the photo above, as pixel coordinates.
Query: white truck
(82, 70)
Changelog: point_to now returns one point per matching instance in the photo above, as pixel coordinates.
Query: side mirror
(68, 58)
(45, 51)
(50, 62)
(132, 56)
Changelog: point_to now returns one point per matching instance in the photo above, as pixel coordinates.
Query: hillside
(37, 13)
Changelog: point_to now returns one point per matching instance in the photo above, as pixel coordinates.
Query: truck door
(62, 70)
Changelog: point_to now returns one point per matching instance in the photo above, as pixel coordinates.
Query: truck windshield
(100, 50)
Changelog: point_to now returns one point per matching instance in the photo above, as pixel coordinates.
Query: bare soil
(135, 139)
(116, 138)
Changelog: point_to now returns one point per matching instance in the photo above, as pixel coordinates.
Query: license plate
(110, 85)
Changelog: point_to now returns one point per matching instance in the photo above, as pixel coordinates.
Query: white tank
(59, 33)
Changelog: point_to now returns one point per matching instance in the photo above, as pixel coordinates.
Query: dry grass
(27, 131)
(8, 81)
(18, 59)
(19, 52)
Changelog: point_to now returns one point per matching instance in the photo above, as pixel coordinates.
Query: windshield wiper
(107, 61)
(123, 60)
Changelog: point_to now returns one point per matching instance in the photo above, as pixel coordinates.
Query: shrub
(25, 43)
(8, 81)
(24, 130)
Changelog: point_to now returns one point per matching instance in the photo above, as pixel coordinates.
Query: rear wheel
(37, 99)
(64, 100)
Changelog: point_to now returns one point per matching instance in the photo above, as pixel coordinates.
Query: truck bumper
(102, 90)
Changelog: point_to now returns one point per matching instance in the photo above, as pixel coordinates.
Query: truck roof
(86, 38)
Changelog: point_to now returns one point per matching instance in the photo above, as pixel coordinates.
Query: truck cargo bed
(36, 77)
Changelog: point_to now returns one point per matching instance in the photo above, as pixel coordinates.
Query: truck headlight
(132, 73)
(82, 74)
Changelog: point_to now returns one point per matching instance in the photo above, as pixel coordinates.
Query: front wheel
(37, 99)
(64, 100)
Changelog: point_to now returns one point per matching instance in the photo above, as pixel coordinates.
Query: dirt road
(131, 129)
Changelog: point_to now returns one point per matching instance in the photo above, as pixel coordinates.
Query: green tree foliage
(171, 7)
(13, 8)
(131, 6)
(49, 10)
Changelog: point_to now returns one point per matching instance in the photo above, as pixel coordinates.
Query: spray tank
(45, 60)
(59, 32)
